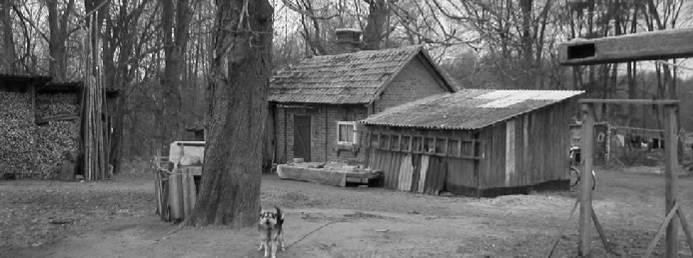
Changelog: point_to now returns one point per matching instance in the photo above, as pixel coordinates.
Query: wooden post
(670, 167)
(584, 248)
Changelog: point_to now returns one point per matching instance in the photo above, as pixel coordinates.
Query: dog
(271, 232)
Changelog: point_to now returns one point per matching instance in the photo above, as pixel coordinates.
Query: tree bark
(7, 51)
(374, 31)
(175, 21)
(57, 23)
(240, 71)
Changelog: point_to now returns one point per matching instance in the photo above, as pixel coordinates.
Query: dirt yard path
(115, 219)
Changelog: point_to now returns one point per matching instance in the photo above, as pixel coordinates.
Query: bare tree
(59, 33)
(7, 50)
(240, 70)
(175, 20)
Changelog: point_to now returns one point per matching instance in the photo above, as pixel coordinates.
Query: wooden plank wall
(541, 142)
(450, 167)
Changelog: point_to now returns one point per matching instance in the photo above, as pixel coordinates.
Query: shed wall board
(541, 141)
(510, 139)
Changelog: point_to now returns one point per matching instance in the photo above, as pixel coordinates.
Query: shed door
(302, 137)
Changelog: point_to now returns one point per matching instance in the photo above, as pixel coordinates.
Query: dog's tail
(280, 215)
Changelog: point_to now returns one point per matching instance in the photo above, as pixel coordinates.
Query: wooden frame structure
(673, 209)
(665, 44)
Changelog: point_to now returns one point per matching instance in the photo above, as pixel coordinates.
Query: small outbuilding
(314, 104)
(477, 142)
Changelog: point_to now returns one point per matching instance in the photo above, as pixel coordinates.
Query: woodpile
(16, 133)
(55, 137)
(55, 140)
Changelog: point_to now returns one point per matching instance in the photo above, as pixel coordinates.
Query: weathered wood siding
(537, 154)
(323, 138)
(416, 80)
(450, 167)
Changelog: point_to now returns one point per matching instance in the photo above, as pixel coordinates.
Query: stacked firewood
(57, 104)
(56, 138)
(16, 133)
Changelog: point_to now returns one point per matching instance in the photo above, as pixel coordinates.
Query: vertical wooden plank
(423, 172)
(509, 152)
(525, 150)
(585, 221)
(670, 167)
(405, 173)
(186, 192)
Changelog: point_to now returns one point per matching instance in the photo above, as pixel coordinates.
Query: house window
(346, 132)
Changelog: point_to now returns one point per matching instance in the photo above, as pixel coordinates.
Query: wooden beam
(660, 231)
(686, 229)
(670, 167)
(585, 222)
(664, 44)
(631, 101)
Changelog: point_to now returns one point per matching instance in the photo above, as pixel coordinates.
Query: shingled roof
(467, 108)
(352, 78)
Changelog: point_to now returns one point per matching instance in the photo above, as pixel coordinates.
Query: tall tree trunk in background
(117, 73)
(526, 35)
(240, 71)
(7, 51)
(376, 26)
(57, 23)
(174, 21)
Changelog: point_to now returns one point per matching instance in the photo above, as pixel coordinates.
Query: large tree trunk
(175, 21)
(376, 27)
(7, 54)
(57, 24)
(240, 70)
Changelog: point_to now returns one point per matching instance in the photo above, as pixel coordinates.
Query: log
(584, 243)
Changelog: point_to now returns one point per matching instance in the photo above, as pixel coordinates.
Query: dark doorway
(302, 137)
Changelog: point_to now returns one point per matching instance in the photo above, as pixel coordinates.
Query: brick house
(314, 104)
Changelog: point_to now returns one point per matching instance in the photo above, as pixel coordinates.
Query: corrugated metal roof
(351, 78)
(468, 108)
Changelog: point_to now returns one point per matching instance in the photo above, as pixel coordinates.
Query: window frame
(355, 133)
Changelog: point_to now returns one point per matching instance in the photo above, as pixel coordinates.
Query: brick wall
(417, 80)
(323, 127)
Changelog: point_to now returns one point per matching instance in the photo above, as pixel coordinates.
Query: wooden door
(302, 137)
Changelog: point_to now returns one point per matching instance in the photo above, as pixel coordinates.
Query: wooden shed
(314, 104)
(477, 142)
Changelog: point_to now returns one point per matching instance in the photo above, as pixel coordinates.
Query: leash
(313, 231)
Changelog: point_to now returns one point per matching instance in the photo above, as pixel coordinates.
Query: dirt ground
(116, 218)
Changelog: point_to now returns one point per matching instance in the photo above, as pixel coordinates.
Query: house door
(302, 137)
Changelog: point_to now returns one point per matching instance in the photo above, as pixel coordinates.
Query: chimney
(348, 40)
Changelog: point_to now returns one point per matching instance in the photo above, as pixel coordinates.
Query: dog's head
(271, 217)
